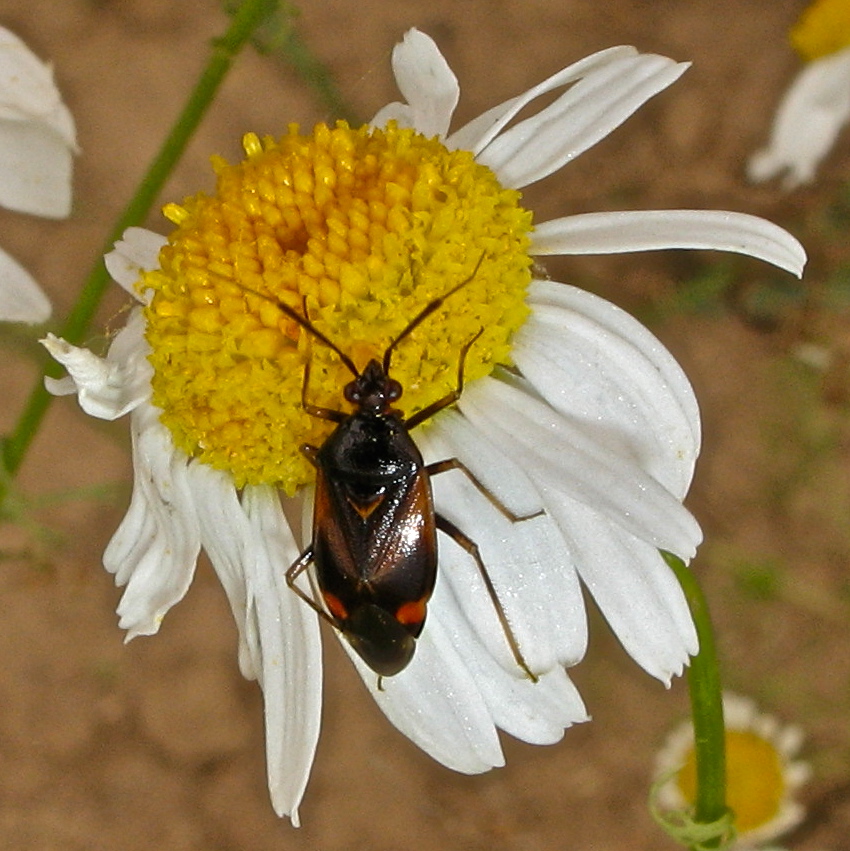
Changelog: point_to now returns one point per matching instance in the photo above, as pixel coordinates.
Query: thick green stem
(706, 707)
(249, 15)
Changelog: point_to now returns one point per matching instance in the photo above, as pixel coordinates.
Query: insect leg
(316, 410)
(426, 312)
(449, 528)
(457, 464)
(449, 398)
(295, 570)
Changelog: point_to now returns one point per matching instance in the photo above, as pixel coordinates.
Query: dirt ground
(159, 744)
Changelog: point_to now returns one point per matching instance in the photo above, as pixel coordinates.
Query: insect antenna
(308, 326)
(425, 313)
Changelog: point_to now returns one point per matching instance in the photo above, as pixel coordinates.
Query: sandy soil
(159, 744)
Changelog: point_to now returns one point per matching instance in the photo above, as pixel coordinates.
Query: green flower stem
(706, 706)
(249, 15)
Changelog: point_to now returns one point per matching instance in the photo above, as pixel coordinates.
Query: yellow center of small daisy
(755, 780)
(356, 230)
(822, 29)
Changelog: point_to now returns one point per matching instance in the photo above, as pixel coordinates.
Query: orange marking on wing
(410, 614)
(335, 606)
(364, 509)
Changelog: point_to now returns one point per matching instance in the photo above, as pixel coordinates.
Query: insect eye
(351, 393)
(394, 390)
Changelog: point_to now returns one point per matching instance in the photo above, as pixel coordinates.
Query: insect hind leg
(293, 572)
(466, 543)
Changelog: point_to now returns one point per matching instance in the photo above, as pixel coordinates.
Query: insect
(374, 538)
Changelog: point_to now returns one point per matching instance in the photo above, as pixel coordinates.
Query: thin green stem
(249, 15)
(296, 51)
(706, 705)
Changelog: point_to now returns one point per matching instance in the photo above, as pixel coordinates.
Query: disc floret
(355, 229)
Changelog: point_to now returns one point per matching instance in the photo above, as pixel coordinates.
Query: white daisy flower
(37, 143)
(573, 415)
(763, 774)
(817, 103)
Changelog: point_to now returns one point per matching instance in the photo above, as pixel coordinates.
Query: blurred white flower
(37, 144)
(817, 103)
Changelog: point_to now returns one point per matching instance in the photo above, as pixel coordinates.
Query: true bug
(374, 539)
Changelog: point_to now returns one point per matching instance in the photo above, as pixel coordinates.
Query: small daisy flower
(817, 103)
(573, 416)
(37, 143)
(763, 775)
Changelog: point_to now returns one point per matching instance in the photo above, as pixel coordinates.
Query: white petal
(427, 84)
(649, 230)
(526, 560)
(435, 701)
(577, 120)
(808, 120)
(453, 696)
(107, 387)
(21, 298)
(291, 657)
(562, 453)
(535, 712)
(225, 532)
(60, 386)
(37, 134)
(35, 170)
(594, 363)
(136, 252)
(27, 89)
(478, 133)
(633, 587)
(451, 436)
(155, 549)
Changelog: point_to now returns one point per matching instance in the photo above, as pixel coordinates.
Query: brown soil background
(159, 744)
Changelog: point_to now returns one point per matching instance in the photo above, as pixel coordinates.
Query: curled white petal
(596, 364)
(436, 703)
(225, 532)
(634, 588)
(289, 656)
(37, 134)
(21, 298)
(563, 454)
(578, 119)
(478, 133)
(526, 560)
(534, 712)
(112, 386)
(809, 118)
(610, 524)
(650, 230)
(427, 83)
(136, 252)
(155, 549)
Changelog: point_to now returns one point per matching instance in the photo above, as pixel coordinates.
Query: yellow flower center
(822, 29)
(755, 780)
(356, 230)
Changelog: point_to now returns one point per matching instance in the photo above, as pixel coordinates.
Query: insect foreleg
(449, 528)
(316, 410)
(427, 311)
(449, 398)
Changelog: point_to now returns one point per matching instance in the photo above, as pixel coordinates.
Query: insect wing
(381, 550)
